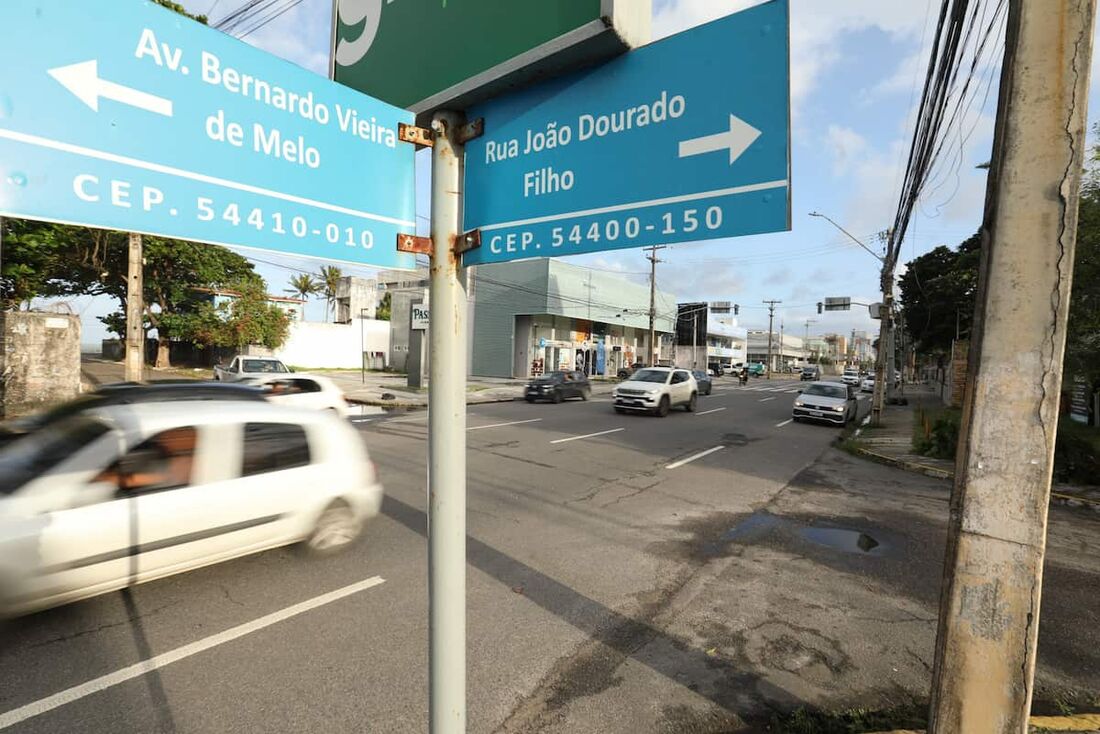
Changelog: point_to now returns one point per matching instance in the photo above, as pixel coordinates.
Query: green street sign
(426, 54)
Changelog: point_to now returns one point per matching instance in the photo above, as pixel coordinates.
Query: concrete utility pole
(806, 342)
(781, 328)
(134, 359)
(989, 608)
(694, 338)
(653, 260)
(771, 320)
(447, 437)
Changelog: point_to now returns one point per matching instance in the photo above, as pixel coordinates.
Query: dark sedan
(557, 386)
(702, 379)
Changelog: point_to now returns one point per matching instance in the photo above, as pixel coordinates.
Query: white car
(830, 402)
(126, 494)
(302, 391)
(850, 377)
(656, 390)
(243, 367)
(868, 384)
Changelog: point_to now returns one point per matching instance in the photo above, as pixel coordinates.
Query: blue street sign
(128, 116)
(683, 140)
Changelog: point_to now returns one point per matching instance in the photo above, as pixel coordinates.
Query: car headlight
(798, 403)
(653, 392)
(838, 408)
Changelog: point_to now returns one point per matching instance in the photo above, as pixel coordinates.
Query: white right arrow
(737, 139)
(83, 81)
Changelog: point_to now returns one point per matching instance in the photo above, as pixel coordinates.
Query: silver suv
(656, 390)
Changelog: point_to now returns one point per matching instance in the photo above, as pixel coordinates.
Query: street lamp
(884, 364)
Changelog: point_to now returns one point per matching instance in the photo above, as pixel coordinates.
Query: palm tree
(329, 277)
(303, 286)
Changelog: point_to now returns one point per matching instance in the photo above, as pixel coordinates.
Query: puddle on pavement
(756, 526)
(849, 541)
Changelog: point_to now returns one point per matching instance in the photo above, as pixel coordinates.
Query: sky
(856, 73)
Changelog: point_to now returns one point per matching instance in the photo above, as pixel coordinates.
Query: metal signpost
(843, 303)
(128, 116)
(683, 140)
(495, 45)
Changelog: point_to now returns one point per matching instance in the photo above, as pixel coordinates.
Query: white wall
(315, 345)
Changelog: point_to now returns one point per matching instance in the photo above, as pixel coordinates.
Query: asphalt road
(577, 520)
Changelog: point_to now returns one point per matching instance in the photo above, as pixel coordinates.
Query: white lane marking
(764, 400)
(705, 412)
(414, 419)
(780, 425)
(688, 460)
(501, 425)
(69, 695)
(588, 435)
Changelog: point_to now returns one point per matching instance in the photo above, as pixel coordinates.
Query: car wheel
(557, 396)
(691, 403)
(336, 529)
(663, 407)
(586, 393)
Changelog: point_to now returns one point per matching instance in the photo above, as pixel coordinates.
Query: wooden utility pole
(771, 321)
(135, 309)
(989, 607)
(653, 260)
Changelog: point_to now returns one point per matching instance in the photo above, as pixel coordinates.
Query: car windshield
(553, 377)
(650, 376)
(828, 391)
(699, 374)
(40, 452)
(264, 365)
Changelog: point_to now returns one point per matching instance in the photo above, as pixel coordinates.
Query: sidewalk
(892, 443)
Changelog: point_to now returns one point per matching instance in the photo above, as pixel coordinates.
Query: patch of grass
(851, 721)
(936, 431)
(1077, 453)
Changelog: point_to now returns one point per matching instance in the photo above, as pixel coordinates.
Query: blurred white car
(301, 391)
(126, 494)
(868, 384)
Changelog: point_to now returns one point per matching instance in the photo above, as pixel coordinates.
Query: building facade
(787, 351)
(707, 335)
(537, 316)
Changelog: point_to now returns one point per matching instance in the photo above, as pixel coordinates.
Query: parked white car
(125, 494)
(241, 367)
(656, 390)
(868, 384)
(301, 390)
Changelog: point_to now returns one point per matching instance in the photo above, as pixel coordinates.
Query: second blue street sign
(125, 115)
(683, 140)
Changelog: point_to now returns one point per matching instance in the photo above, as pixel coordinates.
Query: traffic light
(736, 309)
(819, 306)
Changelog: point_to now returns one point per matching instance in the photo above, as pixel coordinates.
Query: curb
(1070, 500)
(928, 471)
(1075, 723)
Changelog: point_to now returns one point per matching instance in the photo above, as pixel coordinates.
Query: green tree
(303, 286)
(385, 306)
(181, 10)
(938, 291)
(329, 277)
(1083, 330)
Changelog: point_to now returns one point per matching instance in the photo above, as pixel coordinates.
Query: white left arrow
(83, 81)
(737, 139)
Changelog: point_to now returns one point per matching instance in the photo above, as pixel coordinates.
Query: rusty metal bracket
(414, 244)
(415, 135)
(468, 241)
(472, 129)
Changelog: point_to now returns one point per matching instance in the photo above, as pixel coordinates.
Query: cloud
(846, 147)
(779, 277)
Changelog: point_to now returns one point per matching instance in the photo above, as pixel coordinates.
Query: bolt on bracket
(415, 135)
(468, 241)
(414, 244)
(472, 129)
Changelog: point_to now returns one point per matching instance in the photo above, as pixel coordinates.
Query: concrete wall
(315, 345)
(39, 361)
